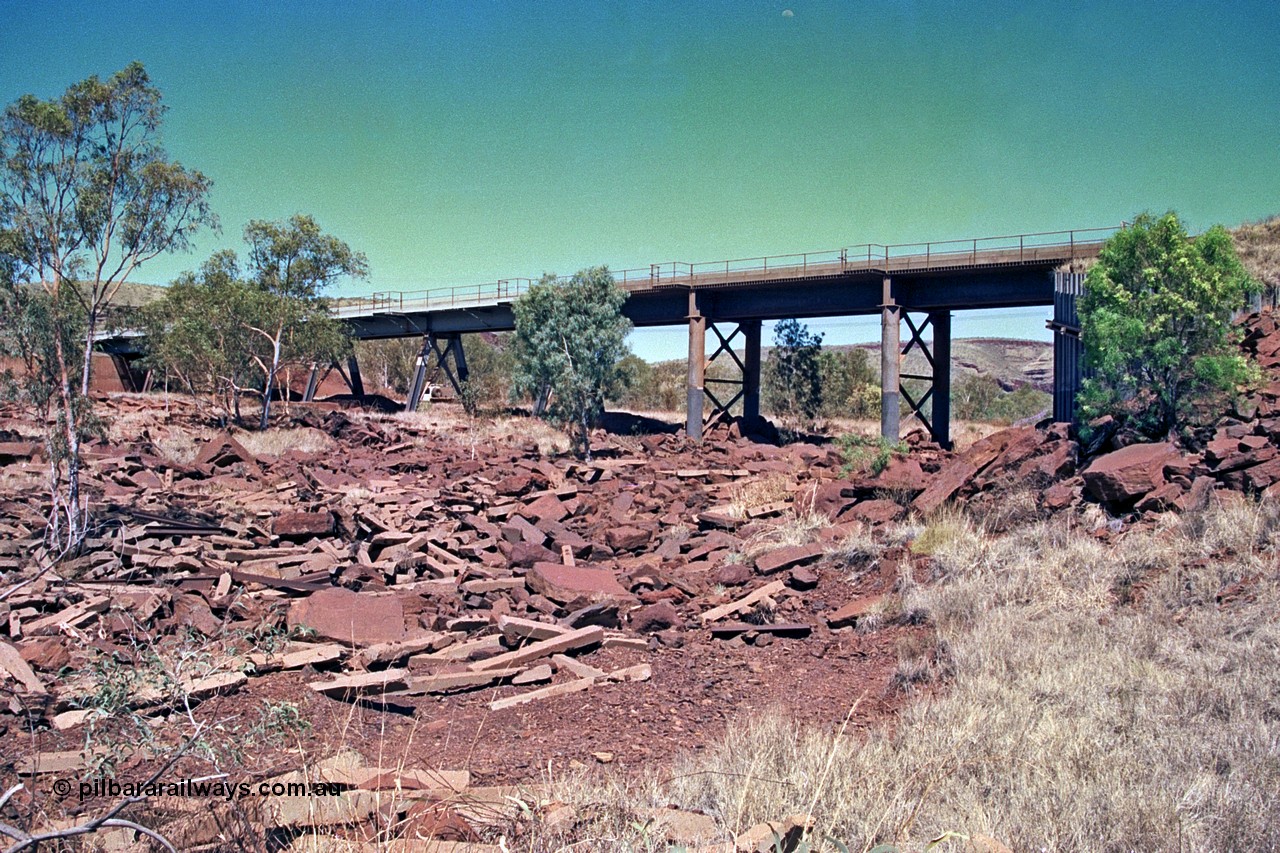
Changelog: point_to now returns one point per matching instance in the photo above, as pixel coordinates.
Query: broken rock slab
(786, 558)
(1128, 473)
(295, 525)
(564, 584)
(357, 619)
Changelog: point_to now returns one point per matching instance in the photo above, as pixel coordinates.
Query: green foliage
(865, 454)
(850, 384)
(793, 372)
(649, 387)
(197, 334)
(570, 337)
(89, 191)
(218, 330)
(87, 195)
(1156, 325)
(490, 364)
(41, 333)
(980, 398)
(389, 364)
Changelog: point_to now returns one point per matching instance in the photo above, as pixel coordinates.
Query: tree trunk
(271, 382)
(71, 434)
(86, 373)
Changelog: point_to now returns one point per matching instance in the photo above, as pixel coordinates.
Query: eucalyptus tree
(89, 195)
(569, 341)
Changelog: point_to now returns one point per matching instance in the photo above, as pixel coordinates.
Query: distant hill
(1012, 363)
(134, 294)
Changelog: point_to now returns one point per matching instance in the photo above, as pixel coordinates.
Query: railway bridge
(915, 288)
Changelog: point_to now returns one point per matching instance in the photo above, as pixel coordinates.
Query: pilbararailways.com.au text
(195, 788)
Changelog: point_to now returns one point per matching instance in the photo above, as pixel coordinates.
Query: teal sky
(457, 143)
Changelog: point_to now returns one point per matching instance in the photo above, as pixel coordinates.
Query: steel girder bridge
(915, 288)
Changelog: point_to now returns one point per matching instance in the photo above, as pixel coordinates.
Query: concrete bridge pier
(440, 354)
(697, 369)
(890, 319)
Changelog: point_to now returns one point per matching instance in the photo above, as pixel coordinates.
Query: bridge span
(915, 285)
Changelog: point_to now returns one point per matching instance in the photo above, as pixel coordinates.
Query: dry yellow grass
(1069, 721)
(274, 442)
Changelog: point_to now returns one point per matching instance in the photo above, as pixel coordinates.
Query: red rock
(962, 469)
(516, 484)
(12, 451)
(358, 619)
(518, 529)
(302, 524)
(438, 821)
(875, 512)
(190, 610)
(829, 499)
(627, 538)
(545, 508)
(1261, 476)
(1021, 443)
(1129, 472)
(731, 574)
(785, 558)
(1061, 495)
(945, 483)
(655, 617)
(905, 474)
(222, 451)
(525, 554)
(565, 584)
(803, 578)
(1162, 499)
(850, 613)
(1058, 460)
(47, 654)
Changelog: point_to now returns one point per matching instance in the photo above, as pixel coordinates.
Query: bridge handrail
(865, 256)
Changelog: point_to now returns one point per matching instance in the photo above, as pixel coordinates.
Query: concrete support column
(890, 344)
(751, 369)
(697, 369)
(353, 371)
(940, 422)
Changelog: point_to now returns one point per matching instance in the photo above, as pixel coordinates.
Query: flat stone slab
(348, 617)
(785, 558)
(563, 584)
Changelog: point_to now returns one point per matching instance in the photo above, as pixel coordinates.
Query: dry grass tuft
(747, 495)
(858, 552)
(451, 422)
(274, 443)
(790, 529)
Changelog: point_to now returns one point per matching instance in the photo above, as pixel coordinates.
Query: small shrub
(863, 454)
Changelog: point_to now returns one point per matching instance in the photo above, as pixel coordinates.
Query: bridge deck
(1021, 251)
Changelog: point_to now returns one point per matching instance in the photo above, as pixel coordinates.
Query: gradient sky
(457, 143)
